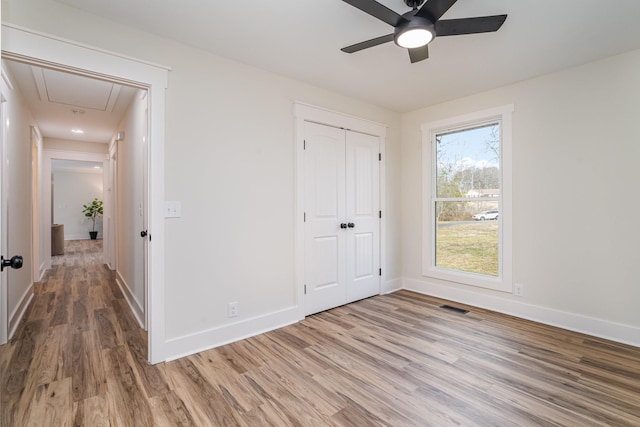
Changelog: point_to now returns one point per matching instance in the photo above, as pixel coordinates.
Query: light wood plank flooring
(397, 360)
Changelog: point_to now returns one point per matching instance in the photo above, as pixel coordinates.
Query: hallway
(78, 340)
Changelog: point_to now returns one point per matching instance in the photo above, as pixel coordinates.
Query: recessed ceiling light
(96, 167)
(77, 131)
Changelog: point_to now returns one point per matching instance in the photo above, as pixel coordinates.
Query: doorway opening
(77, 198)
(51, 53)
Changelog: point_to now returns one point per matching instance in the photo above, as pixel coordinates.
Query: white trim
(33, 47)
(80, 237)
(72, 43)
(136, 308)
(6, 79)
(5, 88)
(37, 225)
(382, 177)
(18, 313)
(336, 119)
(308, 113)
(111, 195)
(221, 335)
(606, 329)
(504, 281)
(299, 185)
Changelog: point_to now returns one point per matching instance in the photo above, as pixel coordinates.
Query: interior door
(342, 237)
(363, 219)
(325, 212)
(36, 240)
(4, 315)
(145, 209)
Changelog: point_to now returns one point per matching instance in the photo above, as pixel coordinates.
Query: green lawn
(468, 247)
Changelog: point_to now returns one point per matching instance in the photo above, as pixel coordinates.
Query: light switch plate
(172, 209)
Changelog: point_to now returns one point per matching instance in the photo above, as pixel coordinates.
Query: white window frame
(503, 282)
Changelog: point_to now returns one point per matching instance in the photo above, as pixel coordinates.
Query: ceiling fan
(416, 28)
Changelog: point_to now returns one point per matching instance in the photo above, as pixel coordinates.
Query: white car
(485, 215)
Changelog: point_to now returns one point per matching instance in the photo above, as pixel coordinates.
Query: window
(467, 199)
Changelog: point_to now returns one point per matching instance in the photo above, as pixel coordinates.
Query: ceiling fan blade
(377, 10)
(480, 24)
(434, 9)
(419, 53)
(369, 43)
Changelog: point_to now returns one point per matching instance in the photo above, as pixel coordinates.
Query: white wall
(72, 190)
(576, 145)
(230, 161)
(18, 193)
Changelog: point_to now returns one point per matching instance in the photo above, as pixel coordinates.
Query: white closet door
(325, 272)
(362, 207)
(342, 224)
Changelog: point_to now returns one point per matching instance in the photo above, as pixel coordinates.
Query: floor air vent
(454, 309)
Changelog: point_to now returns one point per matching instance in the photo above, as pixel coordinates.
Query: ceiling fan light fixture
(415, 33)
(414, 37)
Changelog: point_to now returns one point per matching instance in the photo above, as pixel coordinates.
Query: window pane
(467, 236)
(468, 162)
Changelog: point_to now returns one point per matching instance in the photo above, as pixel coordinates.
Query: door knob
(343, 225)
(14, 262)
(351, 225)
(143, 233)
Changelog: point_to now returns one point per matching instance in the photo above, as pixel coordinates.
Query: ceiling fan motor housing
(413, 4)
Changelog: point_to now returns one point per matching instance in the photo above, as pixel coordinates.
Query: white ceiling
(302, 39)
(61, 102)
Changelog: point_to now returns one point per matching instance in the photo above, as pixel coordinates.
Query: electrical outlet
(233, 309)
(518, 289)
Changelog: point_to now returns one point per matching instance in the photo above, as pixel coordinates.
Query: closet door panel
(362, 210)
(325, 255)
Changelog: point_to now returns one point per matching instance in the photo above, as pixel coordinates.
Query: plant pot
(93, 235)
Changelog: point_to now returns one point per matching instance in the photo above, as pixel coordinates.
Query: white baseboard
(18, 313)
(391, 286)
(625, 334)
(215, 337)
(80, 236)
(134, 304)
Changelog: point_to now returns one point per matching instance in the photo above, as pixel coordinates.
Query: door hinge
(304, 217)
(305, 289)
(304, 144)
(149, 237)
(379, 214)
(380, 272)
(379, 156)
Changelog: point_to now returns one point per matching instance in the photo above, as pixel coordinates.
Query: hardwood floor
(79, 358)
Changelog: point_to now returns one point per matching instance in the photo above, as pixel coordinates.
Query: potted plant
(93, 210)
